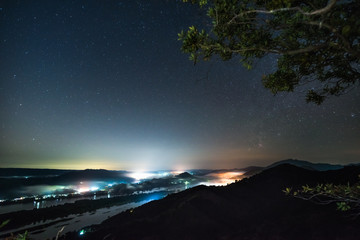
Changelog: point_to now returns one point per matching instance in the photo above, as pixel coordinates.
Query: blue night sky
(103, 84)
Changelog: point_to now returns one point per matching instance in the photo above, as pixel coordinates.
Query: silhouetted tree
(346, 197)
(317, 41)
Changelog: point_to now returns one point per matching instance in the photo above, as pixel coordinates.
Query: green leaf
(343, 206)
(346, 30)
(287, 190)
(4, 223)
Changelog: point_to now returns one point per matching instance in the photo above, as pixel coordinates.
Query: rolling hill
(254, 208)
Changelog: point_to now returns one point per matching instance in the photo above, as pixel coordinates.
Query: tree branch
(336, 32)
(304, 50)
(327, 8)
(276, 51)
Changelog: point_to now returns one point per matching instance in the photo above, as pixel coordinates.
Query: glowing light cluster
(176, 172)
(223, 178)
(83, 189)
(141, 175)
(230, 175)
(86, 188)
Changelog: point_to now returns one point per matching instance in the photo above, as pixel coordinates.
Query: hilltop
(253, 208)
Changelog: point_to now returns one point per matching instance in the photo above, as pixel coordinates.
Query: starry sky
(103, 84)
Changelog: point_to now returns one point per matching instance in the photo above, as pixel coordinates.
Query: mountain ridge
(253, 208)
(307, 165)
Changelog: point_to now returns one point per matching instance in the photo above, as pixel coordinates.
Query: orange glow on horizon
(223, 178)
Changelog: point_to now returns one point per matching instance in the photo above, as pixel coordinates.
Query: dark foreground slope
(254, 208)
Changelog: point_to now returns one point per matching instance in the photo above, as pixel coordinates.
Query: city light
(141, 175)
(222, 178)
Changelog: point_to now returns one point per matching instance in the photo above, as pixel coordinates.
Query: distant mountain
(200, 172)
(184, 175)
(248, 171)
(252, 170)
(30, 172)
(308, 165)
(32, 177)
(93, 175)
(254, 208)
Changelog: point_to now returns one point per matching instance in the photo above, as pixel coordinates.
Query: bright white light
(83, 189)
(213, 183)
(164, 174)
(141, 175)
(94, 188)
(19, 198)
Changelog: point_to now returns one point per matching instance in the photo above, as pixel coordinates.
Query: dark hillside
(23, 172)
(93, 175)
(184, 175)
(308, 165)
(254, 208)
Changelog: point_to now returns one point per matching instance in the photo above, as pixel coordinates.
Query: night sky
(103, 84)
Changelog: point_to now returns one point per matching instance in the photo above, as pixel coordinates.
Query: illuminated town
(143, 186)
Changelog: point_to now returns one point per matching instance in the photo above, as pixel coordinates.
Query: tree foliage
(317, 42)
(12, 236)
(346, 197)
